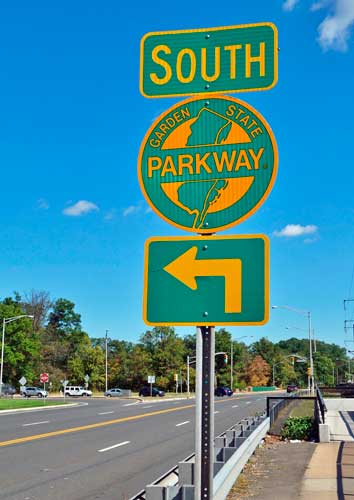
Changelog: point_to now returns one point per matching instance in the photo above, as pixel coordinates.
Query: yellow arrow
(185, 269)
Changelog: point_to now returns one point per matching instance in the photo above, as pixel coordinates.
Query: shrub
(297, 428)
(240, 385)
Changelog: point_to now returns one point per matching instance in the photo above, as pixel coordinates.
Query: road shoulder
(274, 472)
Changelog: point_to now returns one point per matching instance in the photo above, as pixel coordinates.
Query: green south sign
(208, 163)
(212, 60)
(213, 281)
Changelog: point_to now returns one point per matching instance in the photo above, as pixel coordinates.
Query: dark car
(8, 390)
(292, 388)
(145, 391)
(223, 391)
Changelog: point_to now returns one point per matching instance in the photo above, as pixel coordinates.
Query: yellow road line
(95, 426)
(89, 426)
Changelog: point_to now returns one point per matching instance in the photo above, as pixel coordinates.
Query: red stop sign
(44, 377)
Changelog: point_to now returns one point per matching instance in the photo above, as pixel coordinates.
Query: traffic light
(175, 377)
(225, 359)
(292, 360)
(308, 371)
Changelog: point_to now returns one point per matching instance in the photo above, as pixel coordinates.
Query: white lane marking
(114, 446)
(150, 406)
(235, 406)
(105, 412)
(36, 423)
(132, 404)
(216, 412)
(183, 423)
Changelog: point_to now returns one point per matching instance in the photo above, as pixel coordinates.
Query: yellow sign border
(199, 30)
(210, 238)
(260, 201)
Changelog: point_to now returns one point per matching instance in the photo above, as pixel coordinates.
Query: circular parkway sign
(208, 163)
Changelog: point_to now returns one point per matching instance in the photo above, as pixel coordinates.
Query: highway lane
(93, 411)
(112, 461)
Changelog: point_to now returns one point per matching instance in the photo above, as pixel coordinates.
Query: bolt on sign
(198, 281)
(211, 60)
(208, 163)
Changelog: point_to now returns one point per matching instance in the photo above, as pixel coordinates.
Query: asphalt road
(103, 448)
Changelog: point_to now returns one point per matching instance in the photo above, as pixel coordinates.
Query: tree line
(54, 342)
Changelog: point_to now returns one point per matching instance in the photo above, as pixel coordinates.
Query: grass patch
(303, 408)
(13, 404)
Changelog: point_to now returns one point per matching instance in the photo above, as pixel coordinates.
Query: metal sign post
(204, 436)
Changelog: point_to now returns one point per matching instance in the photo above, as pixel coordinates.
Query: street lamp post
(311, 385)
(106, 352)
(5, 321)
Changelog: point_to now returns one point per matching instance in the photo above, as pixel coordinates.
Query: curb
(39, 408)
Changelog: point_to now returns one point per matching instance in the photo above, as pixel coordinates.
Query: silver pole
(106, 378)
(273, 375)
(212, 407)
(312, 385)
(188, 393)
(198, 415)
(2, 353)
(232, 366)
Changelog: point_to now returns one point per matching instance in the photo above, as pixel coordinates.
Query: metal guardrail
(322, 408)
(232, 449)
(319, 409)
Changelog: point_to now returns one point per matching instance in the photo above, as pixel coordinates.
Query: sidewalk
(302, 470)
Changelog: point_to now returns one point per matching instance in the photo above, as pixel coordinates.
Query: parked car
(292, 388)
(77, 391)
(8, 390)
(113, 393)
(145, 391)
(223, 391)
(28, 392)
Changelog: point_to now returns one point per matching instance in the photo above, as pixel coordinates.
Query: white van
(76, 390)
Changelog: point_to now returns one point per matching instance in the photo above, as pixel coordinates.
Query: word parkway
(210, 162)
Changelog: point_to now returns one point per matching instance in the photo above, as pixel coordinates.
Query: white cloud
(42, 204)
(321, 4)
(132, 209)
(82, 207)
(292, 230)
(335, 29)
(110, 215)
(290, 5)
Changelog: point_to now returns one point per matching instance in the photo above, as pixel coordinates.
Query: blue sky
(73, 218)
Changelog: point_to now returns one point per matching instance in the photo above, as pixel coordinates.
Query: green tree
(324, 368)
(21, 346)
(63, 319)
(167, 353)
(139, 366)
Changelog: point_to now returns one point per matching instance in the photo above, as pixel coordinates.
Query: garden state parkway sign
(208, 163)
